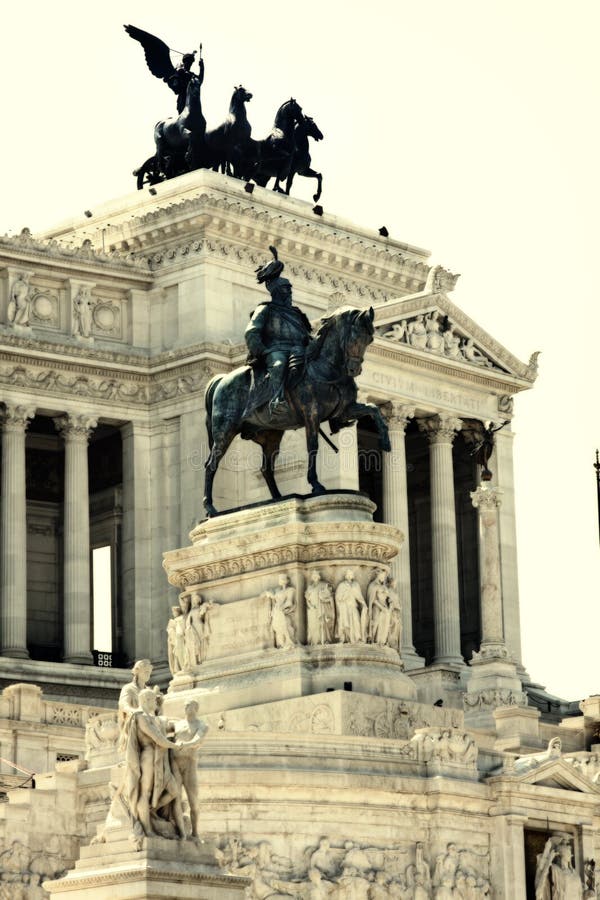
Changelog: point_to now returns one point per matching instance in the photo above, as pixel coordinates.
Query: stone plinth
(237, 561)
(160, 868)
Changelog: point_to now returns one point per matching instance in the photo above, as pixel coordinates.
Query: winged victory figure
(158, 60)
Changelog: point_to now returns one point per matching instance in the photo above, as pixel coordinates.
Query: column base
(411, 659)
(81, 659)
(449, 661)
(15, 652)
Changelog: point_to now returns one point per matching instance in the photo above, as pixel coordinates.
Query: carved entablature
(435, 332)
(54, 249)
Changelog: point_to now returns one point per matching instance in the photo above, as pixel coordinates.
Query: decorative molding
(54, 249)
(490, 697)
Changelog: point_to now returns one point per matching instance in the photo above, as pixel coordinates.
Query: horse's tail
(208, 402)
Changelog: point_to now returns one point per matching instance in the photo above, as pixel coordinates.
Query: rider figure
(277, 335)
(182, 76)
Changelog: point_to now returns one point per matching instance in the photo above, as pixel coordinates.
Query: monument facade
(346, 665)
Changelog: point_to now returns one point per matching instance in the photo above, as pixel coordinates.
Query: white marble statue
(184, 759)
(174, 665)
(395, 631)
(197, 629)
(150, 789)
(82, 312)
(130, 693)
(379, 608)
(555, 877)
(417, 333)
(472, 354)
(351, 611)
(320, 611)
(435, 340)
(19, 304)
(283, 604)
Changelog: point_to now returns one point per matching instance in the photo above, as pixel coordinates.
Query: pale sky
(466, 127)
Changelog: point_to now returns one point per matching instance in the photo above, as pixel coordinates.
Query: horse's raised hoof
(316, 197)
(318, 489)
(385, 444)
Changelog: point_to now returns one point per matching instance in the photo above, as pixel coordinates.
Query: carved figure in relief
(417, 333)
(192, 732)
(451, 344)
(197, 629)
(320, 611)
(395, 632)
(472, 354)
(433, 327)
(351, 611)
(283, 604)
(174, 665)
(352, 885)
(20, 301)
(82, 312)
(555, 877)
(418, 875)
(380, 613)
(398, 332)
(181, 655)
(323, 859)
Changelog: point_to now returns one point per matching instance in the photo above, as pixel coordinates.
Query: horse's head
(288, 114)
(352, 330)
(359, 334)
(241, 95)
(312, 129)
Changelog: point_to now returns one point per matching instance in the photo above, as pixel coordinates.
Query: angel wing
(158, 57)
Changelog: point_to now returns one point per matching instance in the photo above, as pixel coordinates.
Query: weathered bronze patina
(293, 380)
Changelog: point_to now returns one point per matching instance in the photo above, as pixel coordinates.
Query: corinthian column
(486, 500)
(13, 611)
(75, 430)
(440, 431)
(395, 507)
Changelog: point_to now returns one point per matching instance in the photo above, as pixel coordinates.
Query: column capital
(397, 414)
(486, 498)
(75, 427)
(440, 428)
(16, 417)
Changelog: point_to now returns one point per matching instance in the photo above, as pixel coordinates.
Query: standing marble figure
(184, 759)
(351, 611)
(320, 611)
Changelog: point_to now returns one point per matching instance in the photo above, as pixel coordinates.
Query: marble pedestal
(236, 557)
(116, 870)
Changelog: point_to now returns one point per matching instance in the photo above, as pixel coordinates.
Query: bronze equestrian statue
(293, 380)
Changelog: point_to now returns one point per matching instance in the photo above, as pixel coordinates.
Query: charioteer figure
(277, 337)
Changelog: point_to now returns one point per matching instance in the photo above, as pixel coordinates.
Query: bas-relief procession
(313, 684)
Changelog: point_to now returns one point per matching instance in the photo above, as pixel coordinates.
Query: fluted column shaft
(76, 543)
(13, 612)
(441, 430)
(487, 500)
(395, 505)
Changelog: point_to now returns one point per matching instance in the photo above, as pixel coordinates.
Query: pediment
(431, 324)
(556, 773)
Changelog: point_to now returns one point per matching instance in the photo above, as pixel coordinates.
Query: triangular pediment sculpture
(430, 323)
(557, 773)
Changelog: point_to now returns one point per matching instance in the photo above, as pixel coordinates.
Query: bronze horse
(300, 164)
(272, 157)
(324, 390)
